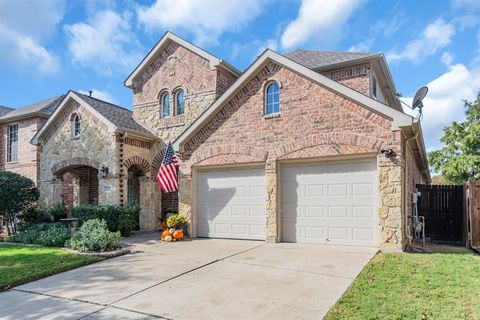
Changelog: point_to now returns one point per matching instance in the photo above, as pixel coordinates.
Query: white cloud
(363, 46)
(435, 36)
(447, 58)
(24, 26)
(252, 49)
(444, 101)
(102, 95)
(104, 42)
(206, 19)
(321, 21)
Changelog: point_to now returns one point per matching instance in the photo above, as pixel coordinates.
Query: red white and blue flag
(167, 177)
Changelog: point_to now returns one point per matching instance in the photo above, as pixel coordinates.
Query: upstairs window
(180, 102)
(75, 119)
(12, 143)
(272, 98)
(165, 102)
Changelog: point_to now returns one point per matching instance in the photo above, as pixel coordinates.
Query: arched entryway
(135, 173)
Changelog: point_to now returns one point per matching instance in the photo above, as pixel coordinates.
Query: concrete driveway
(199, 279)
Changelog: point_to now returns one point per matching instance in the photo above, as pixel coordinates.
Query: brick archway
(63, 165)
(363, 142)
(245, 150)
(137, 161)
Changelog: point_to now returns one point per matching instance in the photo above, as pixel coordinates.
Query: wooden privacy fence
(442, 207)
(472, 205)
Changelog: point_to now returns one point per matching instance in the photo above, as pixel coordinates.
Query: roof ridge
(103, 101)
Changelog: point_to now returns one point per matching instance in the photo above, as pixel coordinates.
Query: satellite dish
(417, 99)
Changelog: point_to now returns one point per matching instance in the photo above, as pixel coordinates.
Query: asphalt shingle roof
(119, 116)
(317, 59)
(4, 110)
(46, 106)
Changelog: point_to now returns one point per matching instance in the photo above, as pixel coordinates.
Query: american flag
(167, 173)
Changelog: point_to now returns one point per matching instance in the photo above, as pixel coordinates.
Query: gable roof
(398, 118)
(318, 59)
(162, 43)
(41, 108)
(4, 110)
(122, 118)
(116, 118)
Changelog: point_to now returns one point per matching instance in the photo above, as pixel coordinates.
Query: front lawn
(414, 286)
(20, 264)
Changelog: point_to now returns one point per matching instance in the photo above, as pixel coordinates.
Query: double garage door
(330, 202)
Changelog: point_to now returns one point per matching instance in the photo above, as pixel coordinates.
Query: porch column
(185, 199)
(150, 204)
(57, 192)
(271, 207)
(391, 198)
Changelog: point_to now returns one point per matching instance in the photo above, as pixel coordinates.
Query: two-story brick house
(308, 146)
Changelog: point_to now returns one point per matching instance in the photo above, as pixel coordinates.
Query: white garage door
(231, 204)
(333, 202)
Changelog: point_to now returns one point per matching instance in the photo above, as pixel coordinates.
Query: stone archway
(79, 181)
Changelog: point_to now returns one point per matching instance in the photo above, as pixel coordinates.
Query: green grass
(414, 286)
(20, 264)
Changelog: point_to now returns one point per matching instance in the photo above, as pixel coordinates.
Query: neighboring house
(309, 147)
(17, 128)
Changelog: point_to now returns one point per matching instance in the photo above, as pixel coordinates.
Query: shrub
(94, 236)
(177, 221)
(33, 216)
(117, 218)
(17, 194)
(44, 234)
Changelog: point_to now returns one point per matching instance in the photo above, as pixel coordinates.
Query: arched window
(180, 102)
(75, 122)
(165, 101)
(272, 98)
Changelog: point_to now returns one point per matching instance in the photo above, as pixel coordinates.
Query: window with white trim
(75, 125)
(12, 143)
(180, 102)
(165, 102)
(272, 98)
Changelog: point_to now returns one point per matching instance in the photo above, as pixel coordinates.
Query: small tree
(459, 160)
(17, 194)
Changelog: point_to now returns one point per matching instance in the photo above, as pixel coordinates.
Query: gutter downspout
(407, 229)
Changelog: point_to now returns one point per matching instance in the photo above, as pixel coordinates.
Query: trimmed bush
(117, 218)
(94, 236)
(44, 234)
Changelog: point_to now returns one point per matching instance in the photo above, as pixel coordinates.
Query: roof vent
(90, 93)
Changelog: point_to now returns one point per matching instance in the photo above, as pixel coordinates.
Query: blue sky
(50, 46)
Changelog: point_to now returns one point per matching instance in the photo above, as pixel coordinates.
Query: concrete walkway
(199, 279)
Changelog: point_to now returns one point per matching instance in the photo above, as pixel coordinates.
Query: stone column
(57, 192)
(150, 204)
(185, 199)
(107, 189)
(271, 205)
(391, 208)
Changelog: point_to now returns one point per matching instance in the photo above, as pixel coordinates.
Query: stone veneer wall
(314, 122)
(28, 163)
(59, 149)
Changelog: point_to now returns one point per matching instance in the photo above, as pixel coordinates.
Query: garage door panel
(331, 203)
(231, 204)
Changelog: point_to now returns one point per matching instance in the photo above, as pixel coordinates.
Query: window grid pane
(165, 105)
(272, 99)
(12, 143)
(77, 126)
(180, 102)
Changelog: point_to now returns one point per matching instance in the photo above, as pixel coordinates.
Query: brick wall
(28, 163)
(355, 77)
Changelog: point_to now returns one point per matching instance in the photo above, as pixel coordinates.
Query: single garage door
(332, 202)
(231, 204)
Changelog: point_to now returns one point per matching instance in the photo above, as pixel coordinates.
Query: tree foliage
(17, 194)
(459, 160)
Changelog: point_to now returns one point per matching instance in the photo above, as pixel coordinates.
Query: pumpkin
(165, 233)
(168, 238)
(178, 234)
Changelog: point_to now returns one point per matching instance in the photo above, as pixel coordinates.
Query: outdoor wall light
(104, 171)
(388, 153)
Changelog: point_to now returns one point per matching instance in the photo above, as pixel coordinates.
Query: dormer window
(180, 102)
(272, 98)
(75, 124)
(165, 102)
